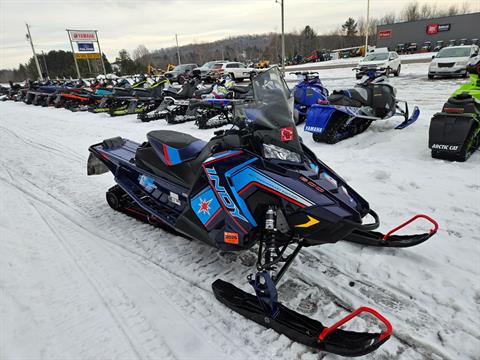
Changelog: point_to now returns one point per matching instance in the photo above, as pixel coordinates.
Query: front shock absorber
(270, 231)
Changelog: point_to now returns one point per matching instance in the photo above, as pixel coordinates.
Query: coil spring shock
(270, 231)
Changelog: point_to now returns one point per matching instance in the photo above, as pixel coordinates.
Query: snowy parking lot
(81, 281)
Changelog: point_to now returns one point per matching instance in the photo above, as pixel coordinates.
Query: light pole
(283, 34)
(367, 26)
(34, 54)
(178, 51)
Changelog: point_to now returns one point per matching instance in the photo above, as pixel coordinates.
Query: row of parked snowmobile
(331, 117)
(151, 98)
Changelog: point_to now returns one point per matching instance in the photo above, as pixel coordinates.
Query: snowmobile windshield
(271, 107)
(270, 116)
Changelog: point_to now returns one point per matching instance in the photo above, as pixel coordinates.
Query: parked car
(452, 42)
(400, 48)
(439, 45)
(412, 48)
(236, 70)
(183, 69)
(475, 42)
(452, 61)
(464, 42)
(426, 47)
(380, 59)
(203, 70)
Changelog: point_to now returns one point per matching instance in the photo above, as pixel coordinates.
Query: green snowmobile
(455, 131)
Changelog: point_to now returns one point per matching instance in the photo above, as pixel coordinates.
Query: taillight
(322, 102)
(453, 110)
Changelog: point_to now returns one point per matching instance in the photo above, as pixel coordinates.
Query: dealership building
(444, 28)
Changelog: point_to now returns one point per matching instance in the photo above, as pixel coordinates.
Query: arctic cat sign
(82, 35)
(385, 34)
(436, 28)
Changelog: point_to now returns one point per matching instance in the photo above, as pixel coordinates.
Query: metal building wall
(461, 26)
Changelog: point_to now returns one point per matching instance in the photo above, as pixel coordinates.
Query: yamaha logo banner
(82, 35)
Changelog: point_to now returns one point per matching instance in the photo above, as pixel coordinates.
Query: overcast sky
(128, 23)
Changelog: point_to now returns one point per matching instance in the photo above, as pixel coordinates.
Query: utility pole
(178, 50)
(283, 34)
(368, 27)
(34, 54)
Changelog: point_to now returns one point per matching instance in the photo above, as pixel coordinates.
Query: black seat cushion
(175, 139)
(183, 174)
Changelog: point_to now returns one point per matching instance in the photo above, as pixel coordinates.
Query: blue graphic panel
(205, 204)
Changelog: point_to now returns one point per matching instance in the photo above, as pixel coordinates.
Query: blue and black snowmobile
(255, 184)
(309, 91)
(351, 111)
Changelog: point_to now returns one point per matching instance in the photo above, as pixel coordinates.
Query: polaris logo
(223, 194)
(445, 147)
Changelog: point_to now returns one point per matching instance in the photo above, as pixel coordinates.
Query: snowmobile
(215, 108)
(351, 111)
(254, 184)
(455, 131)
(143, 99)
(121, 93)
(175, 103)
(309, 91)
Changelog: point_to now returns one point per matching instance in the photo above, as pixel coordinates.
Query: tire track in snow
(94, 284)
(73, 156)
(219, 331)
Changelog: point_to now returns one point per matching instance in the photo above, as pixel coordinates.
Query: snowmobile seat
(174, 147)
(200, 92)
(240, 89)
(178, 94)
(351, 97)
(162, 153)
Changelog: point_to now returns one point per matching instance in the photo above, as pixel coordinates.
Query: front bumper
(449, 71)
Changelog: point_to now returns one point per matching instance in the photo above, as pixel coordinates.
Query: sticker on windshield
(287, 134)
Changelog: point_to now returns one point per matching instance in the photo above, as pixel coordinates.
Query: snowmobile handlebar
(383, 336)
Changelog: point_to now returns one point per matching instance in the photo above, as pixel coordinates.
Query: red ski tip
(426, 217)
(388, 331)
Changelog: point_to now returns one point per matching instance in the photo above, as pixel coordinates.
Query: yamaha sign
(82, 35)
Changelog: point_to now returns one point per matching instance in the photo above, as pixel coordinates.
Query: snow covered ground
(80, 281)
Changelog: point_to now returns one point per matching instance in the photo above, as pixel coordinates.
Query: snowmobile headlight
(276, 152)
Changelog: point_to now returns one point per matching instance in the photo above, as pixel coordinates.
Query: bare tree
(411, 11)
(141, 55)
